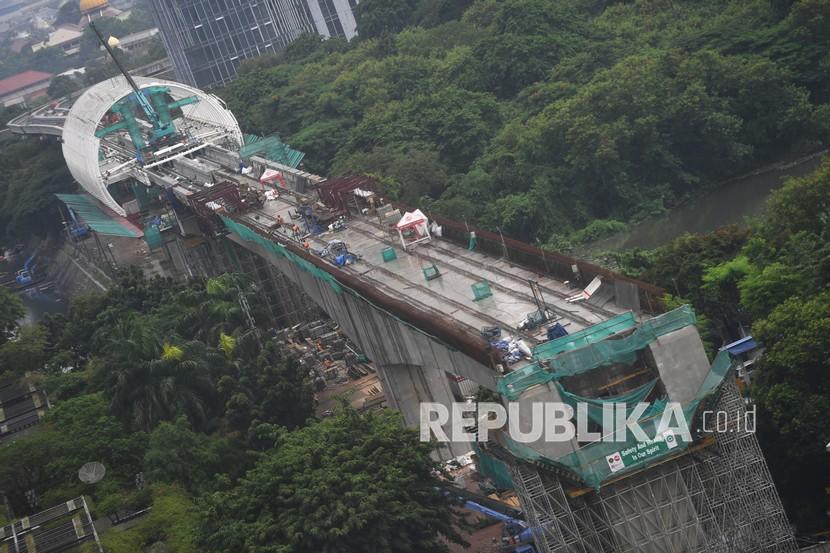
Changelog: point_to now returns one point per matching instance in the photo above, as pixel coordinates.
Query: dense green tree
(268, 387)
(69, 12)
(11, 311)
(679, 265)
(213, 308)
(350, 483)
(177, 454)
(32, 172)
(146, 389)
(63, 85)
(375, 17)
(26, 352)
(73, 433)
(792, 388)
(589, 109)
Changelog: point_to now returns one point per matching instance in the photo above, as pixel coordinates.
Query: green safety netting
(623, 350)
(631, 399)
(493, 468)
(271, 148)
(595, 463)
(585, 337)
(278, 249)
(88, 210)
(143, 195)
(153, 237)
(577, 361)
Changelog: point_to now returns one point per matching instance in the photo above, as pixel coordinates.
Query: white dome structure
(207, 120)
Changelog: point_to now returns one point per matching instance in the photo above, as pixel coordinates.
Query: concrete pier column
(407, 386)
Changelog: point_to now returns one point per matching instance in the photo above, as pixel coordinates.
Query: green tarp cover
(589, 357)
(86, 209)
(494, 468)
(590, 464)
(631, 399)
(278, 249)
(585, 337)
(271, 148)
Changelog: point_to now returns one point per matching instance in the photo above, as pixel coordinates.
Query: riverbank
(732, 202)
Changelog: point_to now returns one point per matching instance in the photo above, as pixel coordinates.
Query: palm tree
(149, 381)
(215, 311)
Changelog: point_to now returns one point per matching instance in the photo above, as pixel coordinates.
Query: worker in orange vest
(306, 245)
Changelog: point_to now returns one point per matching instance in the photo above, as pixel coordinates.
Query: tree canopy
(350, 483)
(165, 383)
(548, 115)
(772, 278)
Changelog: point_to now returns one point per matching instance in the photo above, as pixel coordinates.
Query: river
(730, 203)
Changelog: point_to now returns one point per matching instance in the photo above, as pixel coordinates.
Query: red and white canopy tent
(271, 176)
(413, 228)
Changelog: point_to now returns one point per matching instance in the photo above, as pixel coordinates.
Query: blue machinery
(153, 101)
(25, 276)
(516, 528)
(77, 230)
(312, 224)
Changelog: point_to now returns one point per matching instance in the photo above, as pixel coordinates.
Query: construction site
(411, 307)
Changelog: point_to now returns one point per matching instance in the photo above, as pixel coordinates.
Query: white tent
(269, 176)
(413, 228)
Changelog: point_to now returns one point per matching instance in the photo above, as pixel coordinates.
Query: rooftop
(22, 80)
(62, 35)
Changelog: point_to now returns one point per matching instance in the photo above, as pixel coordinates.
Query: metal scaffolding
(287, 305)
(717, 497)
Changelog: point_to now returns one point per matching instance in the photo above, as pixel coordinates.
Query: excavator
(25, 276)
(518, 538)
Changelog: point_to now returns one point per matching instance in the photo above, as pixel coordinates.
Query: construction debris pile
(329, 356)
(512, 349)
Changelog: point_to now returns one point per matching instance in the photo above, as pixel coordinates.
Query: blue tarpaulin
(741, 346)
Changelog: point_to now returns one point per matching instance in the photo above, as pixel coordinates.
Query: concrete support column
(407, 386)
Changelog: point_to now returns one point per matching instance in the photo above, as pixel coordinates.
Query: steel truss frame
(719, 499)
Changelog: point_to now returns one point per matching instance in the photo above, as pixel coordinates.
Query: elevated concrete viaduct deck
(420, 334)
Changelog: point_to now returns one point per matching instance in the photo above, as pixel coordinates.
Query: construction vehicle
(77, 230)
(25, 276)
(518, 538)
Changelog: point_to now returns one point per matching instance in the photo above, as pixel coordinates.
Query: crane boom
(139, 96)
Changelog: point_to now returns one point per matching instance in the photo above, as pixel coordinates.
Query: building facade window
(208, 39)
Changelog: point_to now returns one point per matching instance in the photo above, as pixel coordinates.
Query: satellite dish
(92, 473)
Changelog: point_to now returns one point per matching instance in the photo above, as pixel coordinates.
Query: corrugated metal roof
(22, 80)
(86, 209)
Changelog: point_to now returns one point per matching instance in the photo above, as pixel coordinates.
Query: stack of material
(513, 349)
(328, 355)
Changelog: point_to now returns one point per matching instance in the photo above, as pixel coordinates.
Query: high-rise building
(208, 39)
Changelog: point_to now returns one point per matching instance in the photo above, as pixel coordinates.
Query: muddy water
(730, 204)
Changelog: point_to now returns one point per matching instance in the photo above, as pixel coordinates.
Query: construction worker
(295, 230)
(280, 221)
(306, 245)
